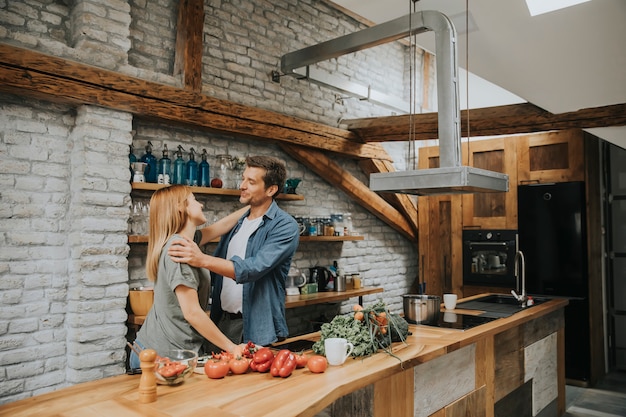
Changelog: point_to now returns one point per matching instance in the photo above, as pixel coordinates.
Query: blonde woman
(177, 319)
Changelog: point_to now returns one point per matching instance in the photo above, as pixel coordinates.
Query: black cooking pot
(323, 277)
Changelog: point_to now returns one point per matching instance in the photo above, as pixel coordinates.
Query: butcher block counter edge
(255, 394)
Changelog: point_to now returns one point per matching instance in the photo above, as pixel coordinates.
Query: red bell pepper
(262, 360)
(284, 364)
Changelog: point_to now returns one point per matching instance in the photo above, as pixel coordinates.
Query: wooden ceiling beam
(28, 73)
(340, 178)
(489, 121)
(189, 31)
(405, 203)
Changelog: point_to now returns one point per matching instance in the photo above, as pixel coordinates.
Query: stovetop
(450, 320)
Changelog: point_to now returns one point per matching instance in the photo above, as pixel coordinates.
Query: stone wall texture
(65, 199)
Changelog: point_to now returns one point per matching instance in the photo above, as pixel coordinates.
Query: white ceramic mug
(337, 350)
(449, 301)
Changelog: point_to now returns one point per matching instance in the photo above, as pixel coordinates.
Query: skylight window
(537, 7)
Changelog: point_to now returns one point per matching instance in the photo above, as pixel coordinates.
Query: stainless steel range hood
(443, 180)
(452, 177)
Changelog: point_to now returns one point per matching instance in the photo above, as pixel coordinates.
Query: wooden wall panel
(485, 371)
(357, 403)
(393, 396)
(517, 403)
(535, 330)
(472, 405)
(509, 358)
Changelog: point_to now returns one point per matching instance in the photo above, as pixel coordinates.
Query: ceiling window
(537, 7)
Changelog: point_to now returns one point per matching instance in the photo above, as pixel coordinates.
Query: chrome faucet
(520, 269)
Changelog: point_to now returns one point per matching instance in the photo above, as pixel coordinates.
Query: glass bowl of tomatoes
(176, 366)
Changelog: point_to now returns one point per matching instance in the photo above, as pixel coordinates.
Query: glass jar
(313, 226)
(347, 224)
(337, 221)
(224, 166)
(329, 229)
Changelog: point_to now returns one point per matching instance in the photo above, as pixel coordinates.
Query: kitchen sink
(507, 299)
(497, 305)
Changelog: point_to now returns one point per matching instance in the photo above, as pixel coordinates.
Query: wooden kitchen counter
(301, 394)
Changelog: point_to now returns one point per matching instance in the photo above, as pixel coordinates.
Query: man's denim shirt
(263, 273)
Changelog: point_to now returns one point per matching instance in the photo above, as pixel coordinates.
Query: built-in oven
(489, 257)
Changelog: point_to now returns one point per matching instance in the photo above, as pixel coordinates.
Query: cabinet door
(492, 210)
(551, 157)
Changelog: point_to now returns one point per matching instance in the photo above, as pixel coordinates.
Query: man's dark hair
(276, 172)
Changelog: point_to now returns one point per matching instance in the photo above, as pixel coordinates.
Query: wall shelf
(144, 239)
(292, 301)
(329, 238)
(146, 186)
(151, 187)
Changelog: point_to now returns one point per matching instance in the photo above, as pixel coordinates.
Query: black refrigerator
(553, 237)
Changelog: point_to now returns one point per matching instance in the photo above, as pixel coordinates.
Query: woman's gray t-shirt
(165, 327)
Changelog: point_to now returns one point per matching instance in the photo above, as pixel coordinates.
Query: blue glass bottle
(191, 171)
(204, 174)
(151, 167)
(178, 173)
(165, 167)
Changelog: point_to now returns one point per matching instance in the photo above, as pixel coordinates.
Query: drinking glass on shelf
(145, 218)
(139, 213)
(134, 217)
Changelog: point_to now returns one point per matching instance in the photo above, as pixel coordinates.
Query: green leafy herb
(366, 336)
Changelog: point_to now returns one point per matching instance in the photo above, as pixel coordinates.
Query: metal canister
(340, 283)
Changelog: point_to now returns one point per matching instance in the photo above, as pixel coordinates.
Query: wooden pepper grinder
(147, 383)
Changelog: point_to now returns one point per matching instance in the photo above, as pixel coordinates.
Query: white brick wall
(65, 266)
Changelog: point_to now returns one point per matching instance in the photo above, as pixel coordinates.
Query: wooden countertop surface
(255, 394)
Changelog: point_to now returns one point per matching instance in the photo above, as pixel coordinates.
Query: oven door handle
(489, 244)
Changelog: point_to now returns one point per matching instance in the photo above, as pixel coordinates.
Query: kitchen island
(484, 371)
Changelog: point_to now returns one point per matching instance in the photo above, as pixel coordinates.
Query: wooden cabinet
(492, 210)
(535, 158)
(551, 157)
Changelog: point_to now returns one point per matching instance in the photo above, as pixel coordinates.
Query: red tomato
(301, 360)
(216, 369)
(317, 364)
(238, 365)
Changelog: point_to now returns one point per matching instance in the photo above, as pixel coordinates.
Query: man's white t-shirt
(232, 293)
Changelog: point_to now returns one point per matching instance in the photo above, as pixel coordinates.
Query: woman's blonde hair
(168, 215)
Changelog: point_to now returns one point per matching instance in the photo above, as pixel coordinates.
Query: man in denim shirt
(254, 258)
